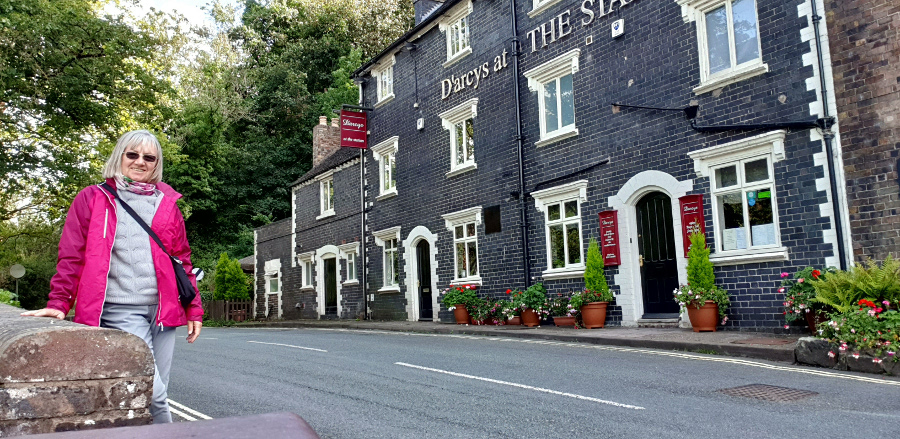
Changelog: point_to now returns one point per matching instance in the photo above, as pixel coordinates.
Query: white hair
(131, 141)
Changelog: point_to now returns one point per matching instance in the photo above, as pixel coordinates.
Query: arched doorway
(423, 263)
(657, 255)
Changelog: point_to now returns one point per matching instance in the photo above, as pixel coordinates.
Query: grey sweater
(132, 274)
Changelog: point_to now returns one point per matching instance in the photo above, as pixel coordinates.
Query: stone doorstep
(658, 323)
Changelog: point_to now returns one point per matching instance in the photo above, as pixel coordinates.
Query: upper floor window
(385, 154)
(456, 27)
(561, 206)
(463, 226)
(460, 122)
(554, 84)
(326, 196)
(728, 41)
(384, 77)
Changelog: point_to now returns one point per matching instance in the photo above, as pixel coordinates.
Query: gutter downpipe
(828, 136)
(523, 226)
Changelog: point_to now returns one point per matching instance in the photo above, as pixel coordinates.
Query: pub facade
(503, 135)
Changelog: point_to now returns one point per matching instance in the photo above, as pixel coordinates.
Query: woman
(114, 273)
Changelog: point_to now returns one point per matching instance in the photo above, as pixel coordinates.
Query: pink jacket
(85, 249)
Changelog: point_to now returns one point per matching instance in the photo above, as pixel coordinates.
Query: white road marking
(523, 386)
(187, 409)
(209, 338)
(290, 346)
(686, 356)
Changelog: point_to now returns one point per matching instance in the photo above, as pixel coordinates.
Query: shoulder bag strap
(139, 221)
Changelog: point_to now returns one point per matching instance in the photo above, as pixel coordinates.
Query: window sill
(475, 280)
(462, 54)
(541, 8)
(351, 282)
(750, 256)
(384, 100)
(563, 273)
(737, 75)
(389, 194)
(557, 135)
(307, 288)
(390, 289)
(461, 169)
(325, 215)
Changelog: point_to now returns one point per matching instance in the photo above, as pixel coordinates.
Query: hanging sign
(692, 220)
(609, 238)
(353, 129)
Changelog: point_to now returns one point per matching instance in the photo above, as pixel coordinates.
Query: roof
(408, 35)
(248, 263)
(341, 156)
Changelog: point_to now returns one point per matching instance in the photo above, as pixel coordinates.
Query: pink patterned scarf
(125, 183)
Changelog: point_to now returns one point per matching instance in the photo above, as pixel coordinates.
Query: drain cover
(768, 393)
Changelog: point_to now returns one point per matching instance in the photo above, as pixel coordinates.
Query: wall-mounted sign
(609, 238)
(563, 24)
(353, 129)
(692, 220)
(472, 78)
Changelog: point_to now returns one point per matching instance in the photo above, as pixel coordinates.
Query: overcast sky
(189, 8)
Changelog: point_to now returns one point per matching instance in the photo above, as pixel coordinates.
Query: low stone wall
(815, 351)
(59, 376)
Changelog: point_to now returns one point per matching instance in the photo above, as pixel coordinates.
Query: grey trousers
(140, 320)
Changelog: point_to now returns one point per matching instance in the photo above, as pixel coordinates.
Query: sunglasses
(134, 156)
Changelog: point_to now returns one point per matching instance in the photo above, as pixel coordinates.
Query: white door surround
(411, 267)
(631, 297)
(322, 253)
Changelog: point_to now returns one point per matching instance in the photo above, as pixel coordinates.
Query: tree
(699, 268)
(231, 282)
(594, 278)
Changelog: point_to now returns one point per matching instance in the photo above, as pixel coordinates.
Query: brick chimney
(326, 139)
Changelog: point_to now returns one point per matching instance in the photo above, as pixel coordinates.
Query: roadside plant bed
(800, 302)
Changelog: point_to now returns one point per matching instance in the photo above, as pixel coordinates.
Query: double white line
(172, 408)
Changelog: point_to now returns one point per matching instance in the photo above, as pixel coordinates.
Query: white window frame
(384, 80)
(449, 119)
(381, 239)
(461, 219)
(696, 10)
(553, 70)
(538, 6)
(559, 195)
(272, 272)
(385, 153)
(326, 195)
(349, 253)
(456, 23)
(307, 269)
(769, 145)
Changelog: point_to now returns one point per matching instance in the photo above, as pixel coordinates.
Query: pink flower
(781, 290)
(800, 281)
(890, 353)
(856, 356)
(876, 360)
(853, 330)
(786, 326)
(886, 303)
(784, 275)
(830, 354)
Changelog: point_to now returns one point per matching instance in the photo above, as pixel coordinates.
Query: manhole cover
(764, 341)
(768, 393)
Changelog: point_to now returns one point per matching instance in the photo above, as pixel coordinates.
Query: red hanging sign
(692, 220)
(609, 238)
(353, 129)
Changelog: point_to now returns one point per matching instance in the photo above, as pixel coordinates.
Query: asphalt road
(356, 384)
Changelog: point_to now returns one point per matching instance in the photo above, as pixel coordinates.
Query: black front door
(656, 244)
(424, 262)
(330, 287)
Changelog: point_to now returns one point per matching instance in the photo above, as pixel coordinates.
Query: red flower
(508, 291)
(816, 274)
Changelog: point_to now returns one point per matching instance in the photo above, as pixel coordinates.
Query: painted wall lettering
(559, 26)
(471, 79)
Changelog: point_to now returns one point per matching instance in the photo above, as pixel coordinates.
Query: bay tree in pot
(593, 301)
(704, 302)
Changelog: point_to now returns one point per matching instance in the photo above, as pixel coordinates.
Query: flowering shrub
(459, 295)
(872, 328)
(687, 296)
(800, 294)
(509, 307)
(534, 297)
(586, 296)
(560, 307)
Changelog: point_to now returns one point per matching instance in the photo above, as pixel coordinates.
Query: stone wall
(59, 376)
(864, 38)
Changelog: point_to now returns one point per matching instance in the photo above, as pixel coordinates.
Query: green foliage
(699, 269)
(594, 278)
(560, 306)
(534, 297)
(865, 330)
(687, 296)
(7, 297)
(460, 295)
(231, 282)
(842, 290)
(581, 298)
(800, 295)
(33, 243)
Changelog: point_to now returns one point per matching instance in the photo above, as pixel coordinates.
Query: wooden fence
(228, 310)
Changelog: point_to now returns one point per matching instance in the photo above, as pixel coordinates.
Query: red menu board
(692, 220)
(353, 129)
(609, 238)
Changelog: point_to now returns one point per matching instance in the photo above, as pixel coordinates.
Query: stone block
(814, 351)
(71, 398)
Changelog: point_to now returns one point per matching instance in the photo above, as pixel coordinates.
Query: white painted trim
(380, 236)
(631, 297)
(555, 68)
(449, 119)
(411, 268)
(462, 169)
(568, 191)
(750, 257)
(257, 293)
(453, 219)
(386, 147)
(576, 190)
(574, 272)
(556, 136)
(459, 55)
(294, 226)
(350, 248)
(538, 6)
(273, 266)
(301, 261)
(736, 75)
(767, 143)
(322, 253)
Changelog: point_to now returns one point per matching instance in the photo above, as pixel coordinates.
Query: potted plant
(456, 298)
(479, 311)
(562, 311)
(531, 303)
(594, 299)
(800, 298)
(705, 303)
(511, 311)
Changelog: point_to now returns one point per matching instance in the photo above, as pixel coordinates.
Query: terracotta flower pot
(813, 318)
(704, 319)
(593, 314)
(564, 321)
(461, 314)
(530, 318)
(515, 320)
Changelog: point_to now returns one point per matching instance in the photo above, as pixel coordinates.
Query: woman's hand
(193, 330)
(46, 312)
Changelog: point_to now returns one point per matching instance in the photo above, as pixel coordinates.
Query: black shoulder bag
(186, 292)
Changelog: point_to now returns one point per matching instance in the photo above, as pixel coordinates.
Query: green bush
(700, 269)
(231, 282)
(594, 278)
(7, 298)
(842, 290)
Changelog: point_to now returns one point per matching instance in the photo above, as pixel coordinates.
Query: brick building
(494, 144)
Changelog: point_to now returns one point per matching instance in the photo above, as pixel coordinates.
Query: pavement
(731, 343)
